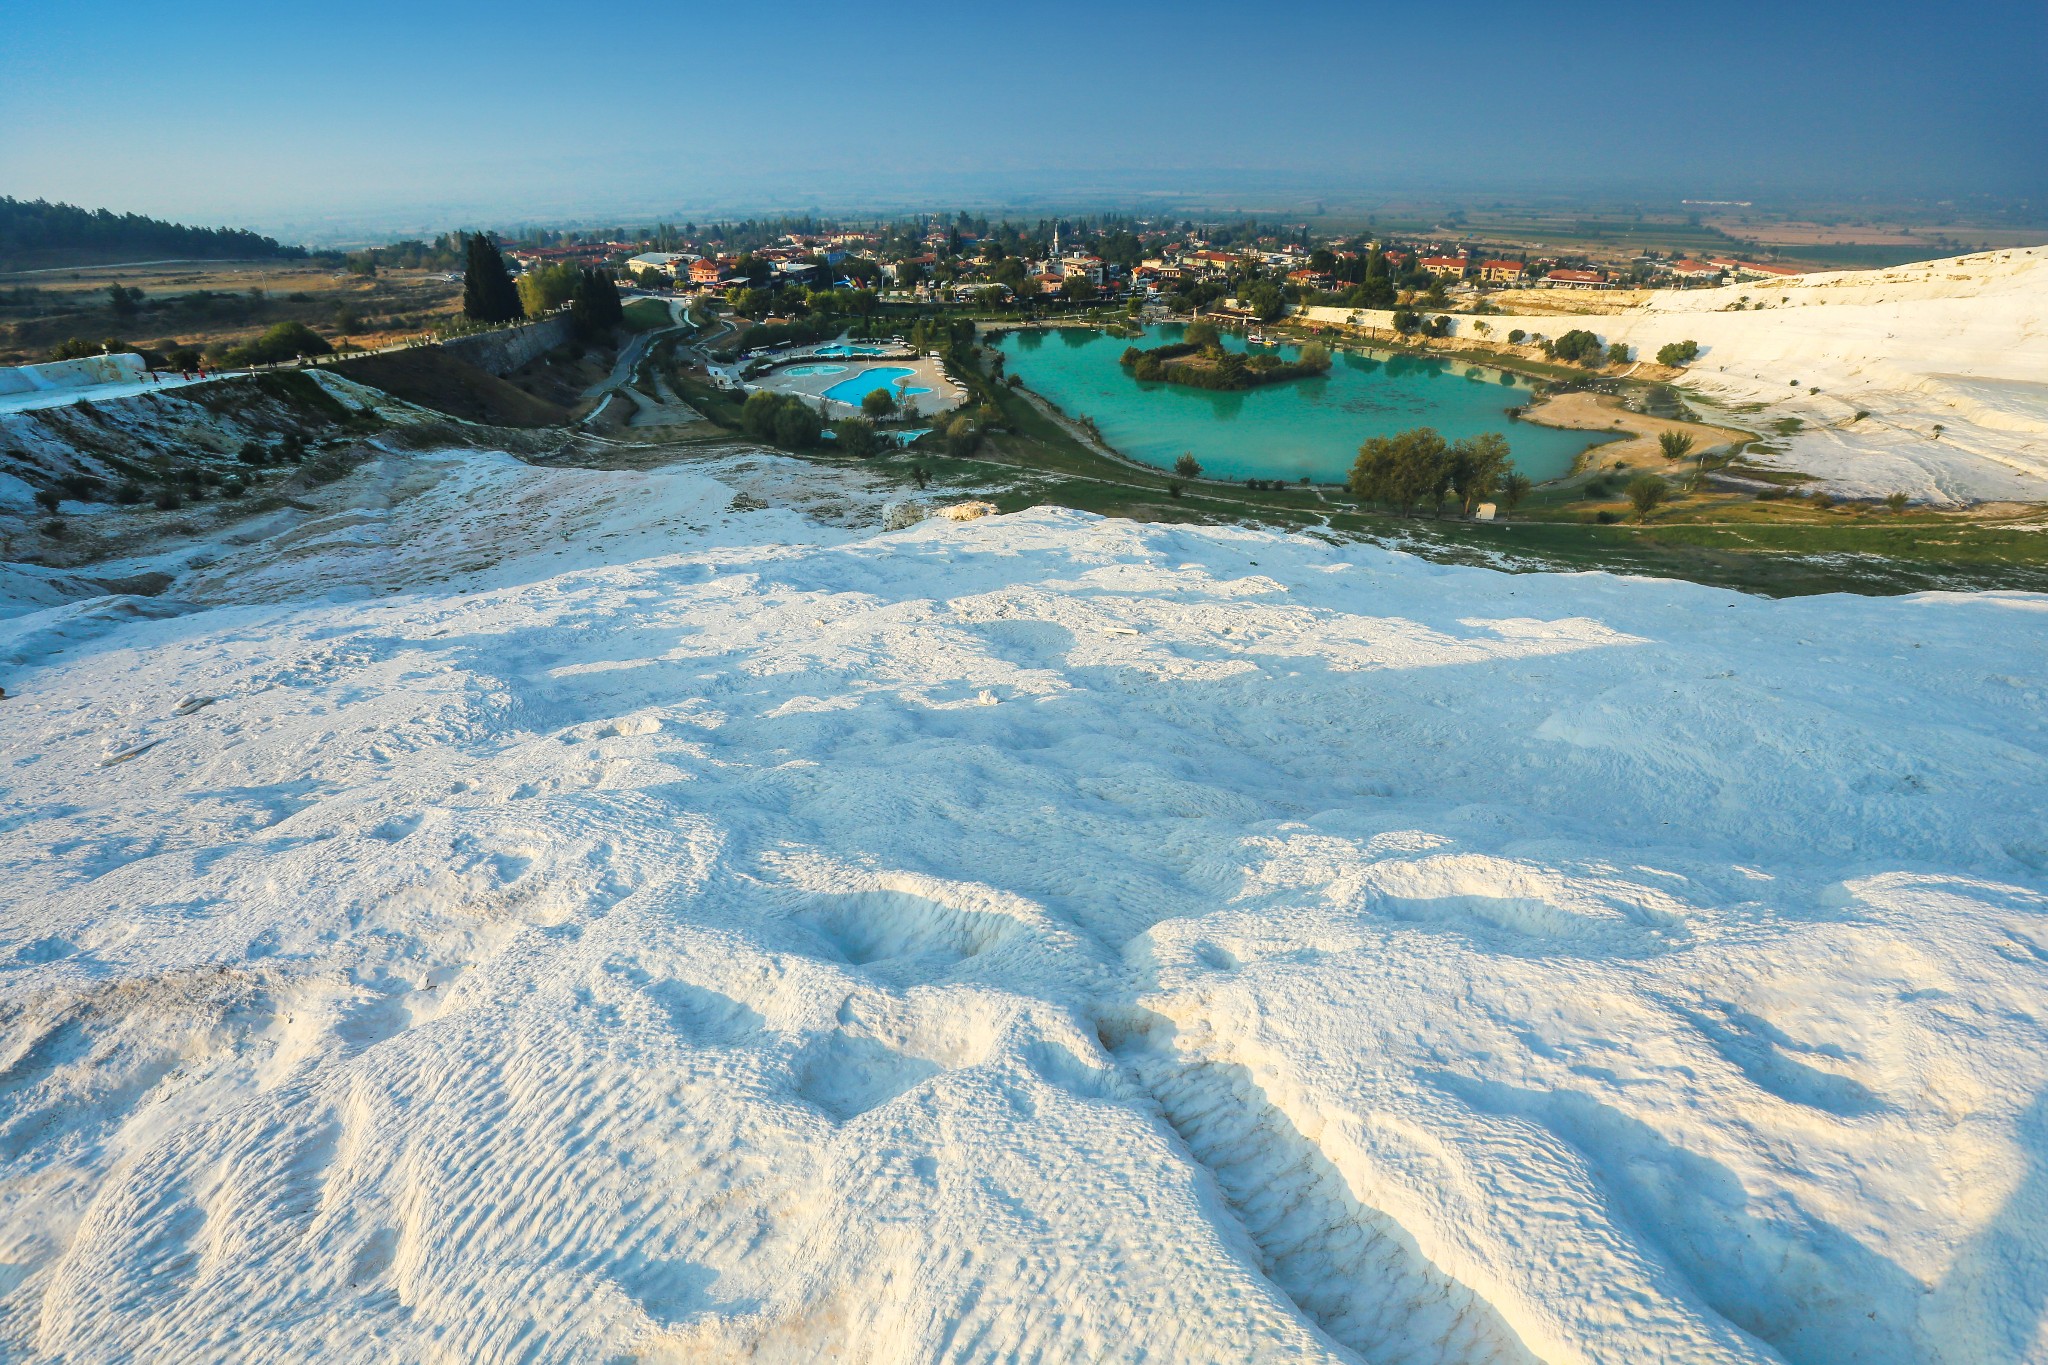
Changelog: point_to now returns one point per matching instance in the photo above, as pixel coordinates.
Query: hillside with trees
(36, 235)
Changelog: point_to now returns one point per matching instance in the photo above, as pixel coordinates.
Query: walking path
(664, 410)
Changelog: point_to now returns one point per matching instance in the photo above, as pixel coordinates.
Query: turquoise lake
(1304, 426)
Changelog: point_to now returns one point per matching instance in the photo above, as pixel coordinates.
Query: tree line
(38, 229)
(489, 295)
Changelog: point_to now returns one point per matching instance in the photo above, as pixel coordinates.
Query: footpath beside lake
(1309, 426)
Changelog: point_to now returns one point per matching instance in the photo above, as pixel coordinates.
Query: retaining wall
(508, 348)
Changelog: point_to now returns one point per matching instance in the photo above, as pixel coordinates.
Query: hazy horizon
(392, 117)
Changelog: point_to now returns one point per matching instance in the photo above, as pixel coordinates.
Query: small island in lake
(1199, 359)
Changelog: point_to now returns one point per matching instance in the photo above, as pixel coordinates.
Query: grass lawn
(644, 315)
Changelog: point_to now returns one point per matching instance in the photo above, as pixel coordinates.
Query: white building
(1088, 267)
(669, 263)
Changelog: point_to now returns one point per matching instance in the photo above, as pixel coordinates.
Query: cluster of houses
(1465, 267)
(947, 266)
(792, 266)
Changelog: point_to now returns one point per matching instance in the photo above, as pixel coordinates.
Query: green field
(644, 315)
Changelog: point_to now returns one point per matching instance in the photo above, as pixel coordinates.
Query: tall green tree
(1413, 467)
(487, 292)
(548, 288)
(1476, 468)
(594, 303)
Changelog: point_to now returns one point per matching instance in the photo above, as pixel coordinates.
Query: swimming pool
(852, 390)
(839, 350)
(808, 371)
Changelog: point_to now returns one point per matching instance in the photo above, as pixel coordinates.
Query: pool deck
(926, 373)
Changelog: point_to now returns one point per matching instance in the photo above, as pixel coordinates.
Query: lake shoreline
(1635, 433)
(1309, 427)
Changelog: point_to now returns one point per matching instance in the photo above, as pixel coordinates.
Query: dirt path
(1638, 449)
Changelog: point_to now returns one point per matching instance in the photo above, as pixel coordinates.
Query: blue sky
(286, 114)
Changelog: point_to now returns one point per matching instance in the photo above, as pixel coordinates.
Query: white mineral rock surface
(557, 915)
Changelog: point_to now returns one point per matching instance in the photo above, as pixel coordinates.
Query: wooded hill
(38, 235)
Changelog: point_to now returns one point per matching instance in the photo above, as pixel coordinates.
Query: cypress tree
(611, 308)
(584, 306)
(595, 304)
(487, 292)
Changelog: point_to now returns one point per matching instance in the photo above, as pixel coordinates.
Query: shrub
(48, 499)
(1678, 353)
(757, 415)
(1820, 501)
(233, 488)
(1173, 488)
(1517, 337)
(128, 493)
(1187, 466)
(169, 500)
(254, 453)
(1646, 493)
(962, 436)
(878, 403)
(797, 425)
(1617, 353)
(856, 436)
(1578, 345)
(285, 341)
(1606, 518)
(55, 528)
(1895, 502)
(780, 419)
